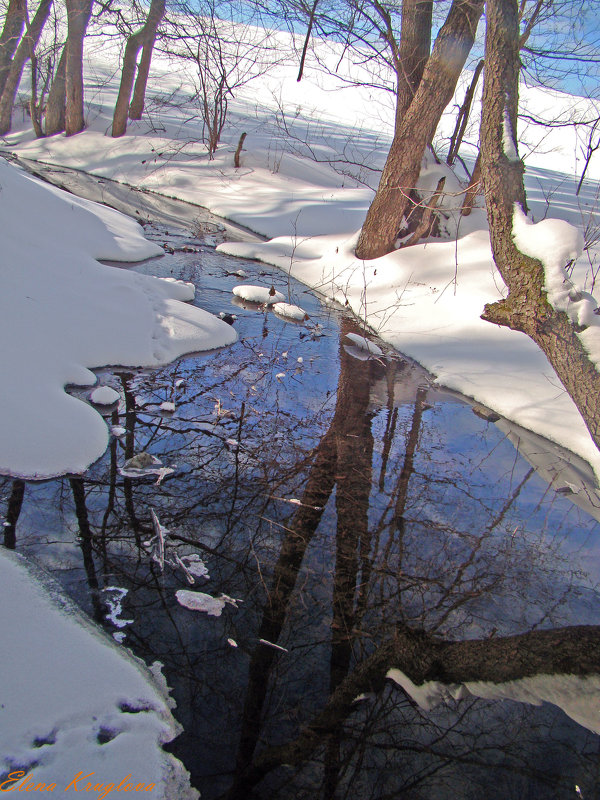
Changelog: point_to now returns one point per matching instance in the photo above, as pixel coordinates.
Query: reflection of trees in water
(397, 551)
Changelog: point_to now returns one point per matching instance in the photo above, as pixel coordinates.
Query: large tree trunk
(14, 23)
(413, 52)
(26, 47)
(144, 38)
(526, 308)
(393, 199)
(78, 16)
(56, 105)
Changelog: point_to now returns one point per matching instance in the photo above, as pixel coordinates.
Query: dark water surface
(362, 519)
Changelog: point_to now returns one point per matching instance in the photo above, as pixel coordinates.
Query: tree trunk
(78, 16)
(473, 189)
(14, 23)
(26, 46)
(144, 38)
(463, 116)
(392, 201)
(55, 107)
(413, 52)
(526, 308)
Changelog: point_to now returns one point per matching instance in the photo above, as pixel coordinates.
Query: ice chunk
(104, 396)
(258, 294)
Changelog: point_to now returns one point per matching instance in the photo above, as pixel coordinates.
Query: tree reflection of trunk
(423, 657)
(130, 420)
(343, 457)
(301, 529)
(15, 503)
(392, 419)
(85, 533)
(354, 447)
(112, 487)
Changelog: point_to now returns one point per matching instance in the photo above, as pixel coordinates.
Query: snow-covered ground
(63, 313)
(76, 709)
(308, 169)
(310, 164)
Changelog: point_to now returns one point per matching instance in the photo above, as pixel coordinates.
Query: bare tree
(78, 16)
(143, 39)
(14, 23)
(23, 53)
(393, 200)
(526, 308)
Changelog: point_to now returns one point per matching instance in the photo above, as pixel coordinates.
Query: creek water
(341, 507)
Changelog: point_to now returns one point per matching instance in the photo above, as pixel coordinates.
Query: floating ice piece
(290, 311)
(159, 538)
(295, 502)
(364, 344)
(258, 294)
(232, 642)
(274, 646)
(194, 565)
(104, 396)
(113, 597)
(199, 601)
(167, 406)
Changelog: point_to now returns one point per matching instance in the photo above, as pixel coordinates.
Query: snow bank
(62, 313)
(72, 702)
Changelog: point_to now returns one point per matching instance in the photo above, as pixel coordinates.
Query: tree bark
(26, 46)
(78, 16)
(392, 201)
(14, 23)
(526, 308)
(144, 38)
(413, 52)
(56, 105)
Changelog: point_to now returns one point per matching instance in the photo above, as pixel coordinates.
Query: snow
(258, 294)
(72, 700)
(364, 344)
(104, 396)
(508, 138)
(574, 694)
(290, 311)
(199, 601)
(64, 313)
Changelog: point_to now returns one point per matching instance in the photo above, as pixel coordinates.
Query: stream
(346, 515)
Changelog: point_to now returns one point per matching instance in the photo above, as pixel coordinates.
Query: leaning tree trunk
(14, 23)
(413, 52)
(144, 38)
(526, 308)
(393, 199)
(78, 16)
(26, 46)
(56, 104)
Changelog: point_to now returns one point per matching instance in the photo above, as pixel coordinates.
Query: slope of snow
(311, 160)
(62, 313)
(72, 702)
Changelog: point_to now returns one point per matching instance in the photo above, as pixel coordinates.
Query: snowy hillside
(309, 165)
